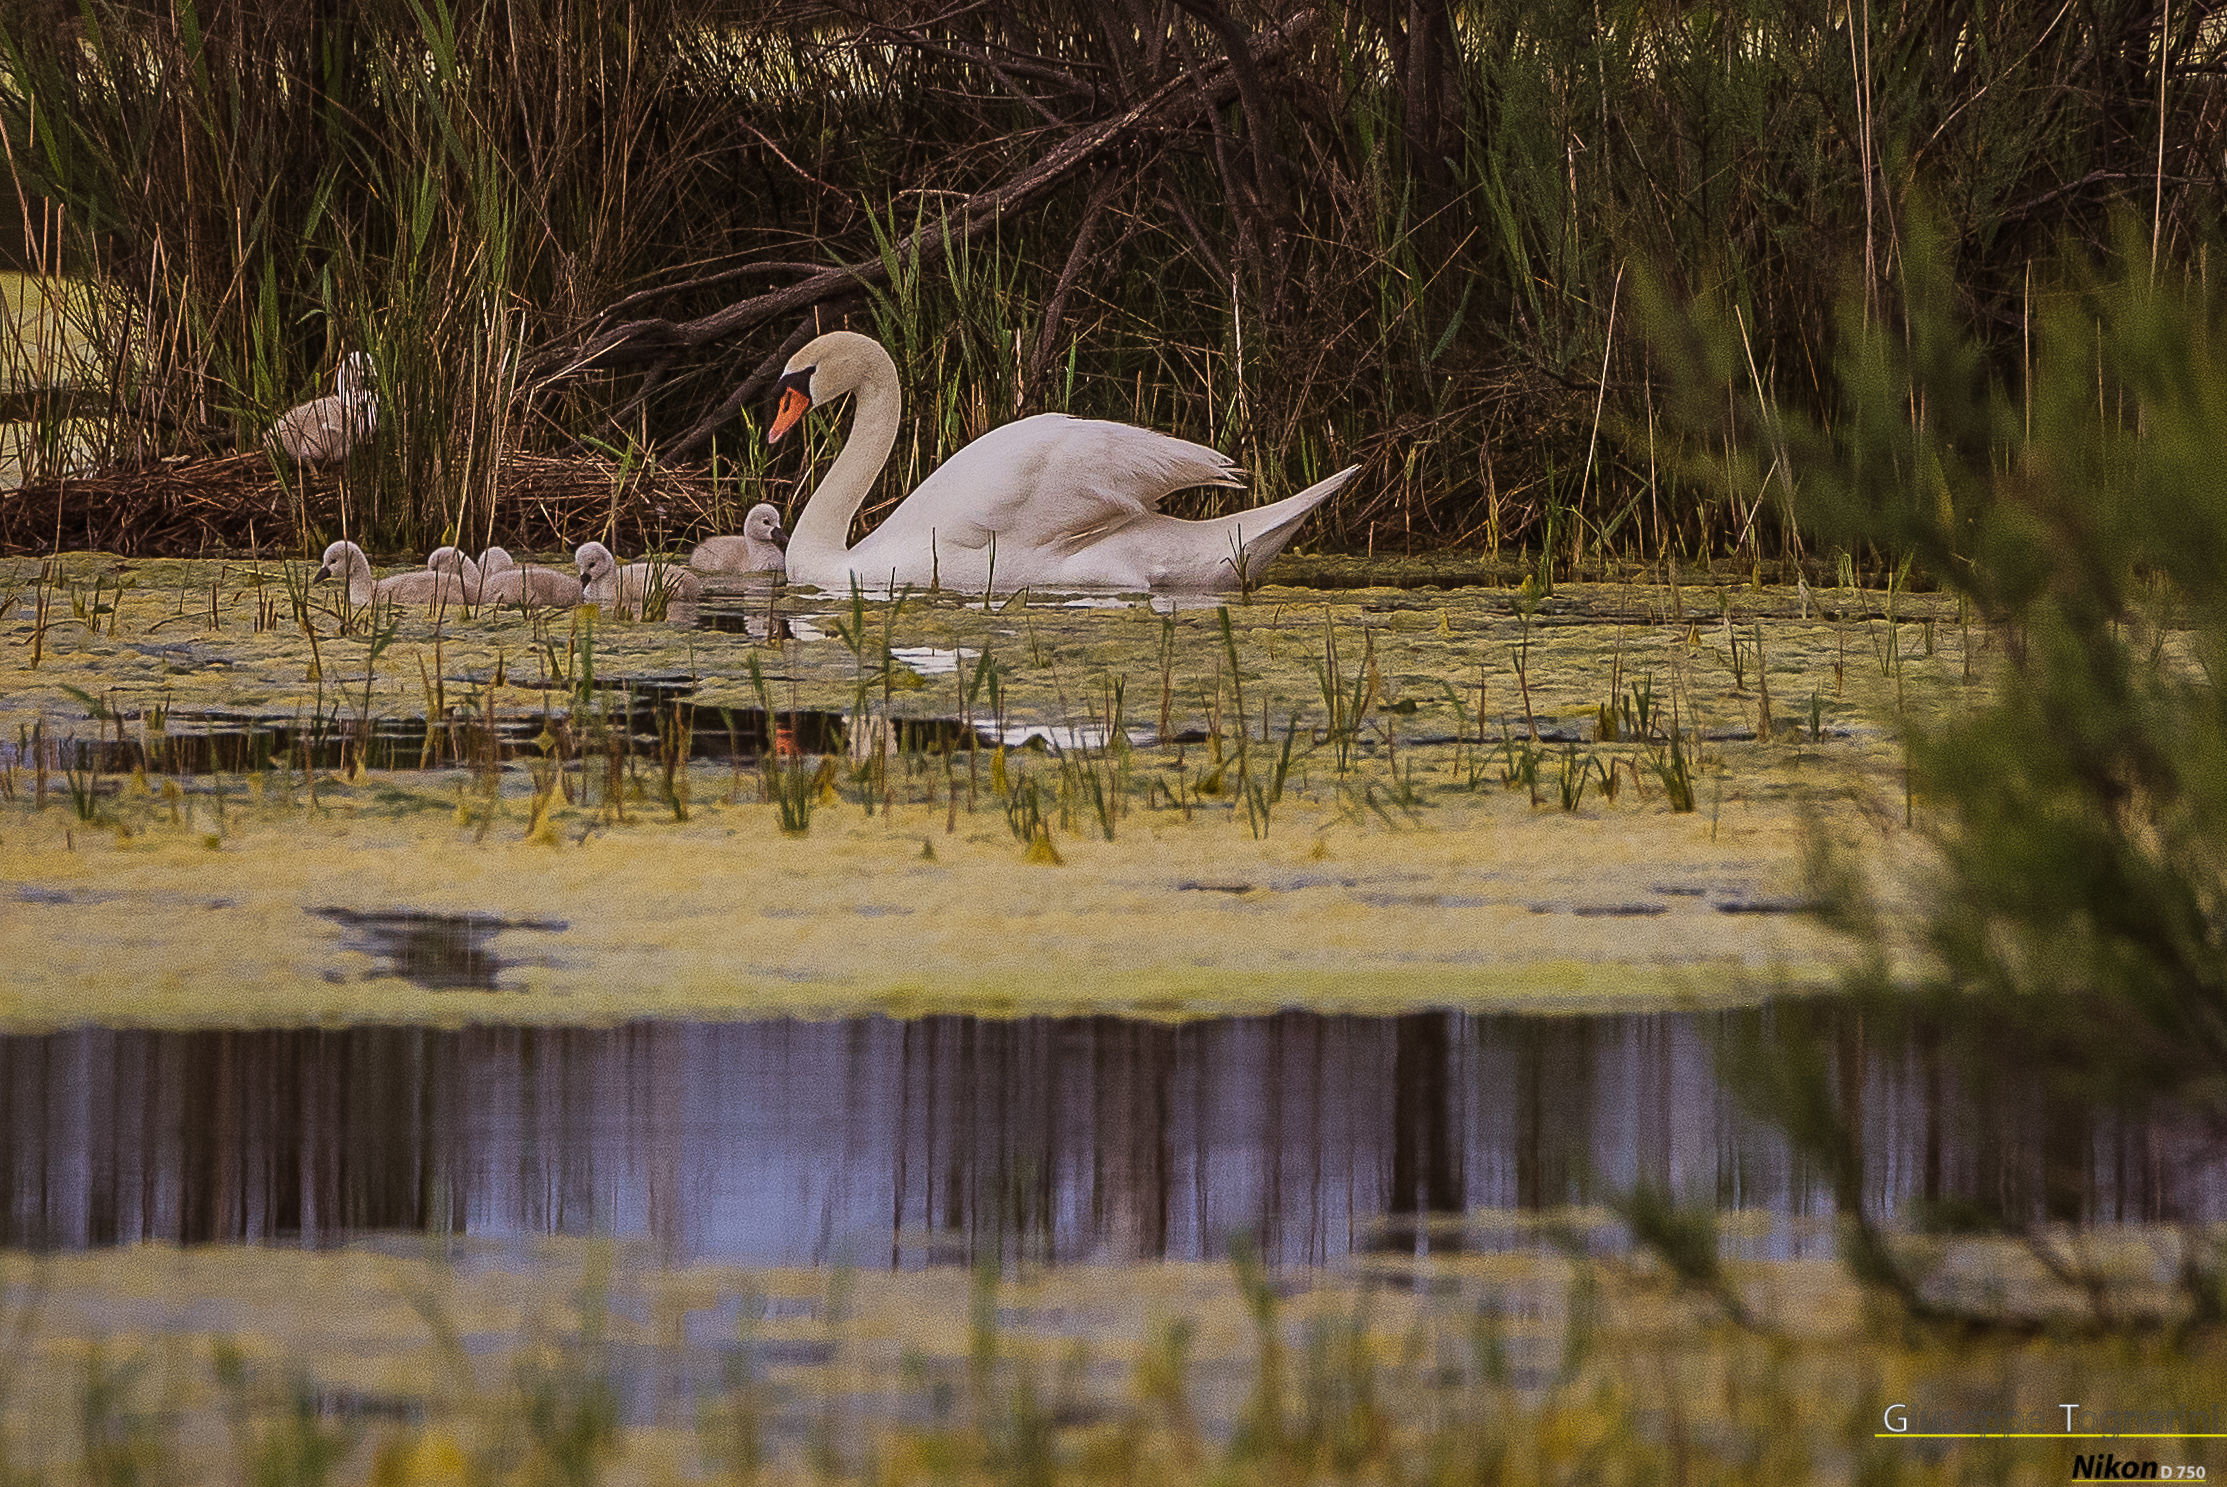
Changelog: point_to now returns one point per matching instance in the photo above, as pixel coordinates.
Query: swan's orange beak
(794, 402)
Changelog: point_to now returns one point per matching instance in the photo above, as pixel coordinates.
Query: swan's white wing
(1055, 484)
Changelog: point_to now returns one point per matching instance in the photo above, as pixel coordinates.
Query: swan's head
(827, 367)
(763, 524)
(595, 561)
(449, 560)
(341, 559)
(495, 560)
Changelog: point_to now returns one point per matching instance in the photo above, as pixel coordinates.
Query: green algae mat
(227, 799)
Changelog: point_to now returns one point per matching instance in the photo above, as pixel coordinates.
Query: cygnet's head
(824, 369)
(339, 558)
(495, 560)
(449, 560)
(594, 561)
(763, 524)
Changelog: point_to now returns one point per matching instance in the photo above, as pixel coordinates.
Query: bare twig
(1055, 308)
(760, 378)
(1176, 103)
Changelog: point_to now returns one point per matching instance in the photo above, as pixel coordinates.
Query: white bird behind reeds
(504, 581)
(758, 549)
(603, 581)
(345, 561)
(324, 430)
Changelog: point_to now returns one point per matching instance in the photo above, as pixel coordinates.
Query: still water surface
(889, 1142)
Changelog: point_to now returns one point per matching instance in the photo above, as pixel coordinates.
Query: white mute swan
(345, 560)
(605, 582)
(757, 550)
(1049, 501)
(323, 430)
(502, 581)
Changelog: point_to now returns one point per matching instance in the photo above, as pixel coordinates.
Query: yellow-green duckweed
(1480, 904)
(1403, 797)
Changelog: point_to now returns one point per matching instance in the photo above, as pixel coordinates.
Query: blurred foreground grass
(578, 1363)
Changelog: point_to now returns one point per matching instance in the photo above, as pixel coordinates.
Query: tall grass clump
(1397, 234)
(250, 191)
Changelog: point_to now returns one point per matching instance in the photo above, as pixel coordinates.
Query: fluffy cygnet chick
(503, 581)
(605, 582)
(345, 561)
(452, 561)
(323, 430)
(757, 550)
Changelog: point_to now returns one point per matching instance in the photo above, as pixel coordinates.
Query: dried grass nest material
(194, 505)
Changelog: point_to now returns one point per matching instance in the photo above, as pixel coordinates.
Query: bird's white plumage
(346, 561)
(604, 581)
(453, 561)
(323, 430)
(503, 581)
(1049, 501)
(756, 549)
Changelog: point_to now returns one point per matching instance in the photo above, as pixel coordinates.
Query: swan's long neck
(821, 536)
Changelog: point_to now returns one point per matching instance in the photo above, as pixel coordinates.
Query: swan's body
(603, 581)
(345, 560)
(1046, 502)
(757, 550)
(323, 430)
(503, 581)
(453, 561)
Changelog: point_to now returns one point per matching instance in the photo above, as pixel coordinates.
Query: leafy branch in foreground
(2069, 939)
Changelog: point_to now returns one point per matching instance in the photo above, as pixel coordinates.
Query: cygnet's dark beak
(780, 537)
(324, 571)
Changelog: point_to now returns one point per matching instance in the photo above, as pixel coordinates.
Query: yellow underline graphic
(2049, 1435)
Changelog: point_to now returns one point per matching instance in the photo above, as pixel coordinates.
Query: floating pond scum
(847, 1024)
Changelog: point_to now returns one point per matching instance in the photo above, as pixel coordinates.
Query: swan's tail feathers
(1267, 530)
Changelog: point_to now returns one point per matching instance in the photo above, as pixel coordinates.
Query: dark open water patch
(635, 720)
(645, 716)
(447, 952)
(891, 1142)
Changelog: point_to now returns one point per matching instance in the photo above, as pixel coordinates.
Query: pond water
(900, 1143)
(1412, 790)
(136, 641)
(307, 910)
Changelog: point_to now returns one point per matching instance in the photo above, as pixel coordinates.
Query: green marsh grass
(790, 781)
(1403, 248)
(1340, 723)
(1674, 770)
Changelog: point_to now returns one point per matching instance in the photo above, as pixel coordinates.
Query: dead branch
(1102, 193)
(760, 378)
(1176, 104)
